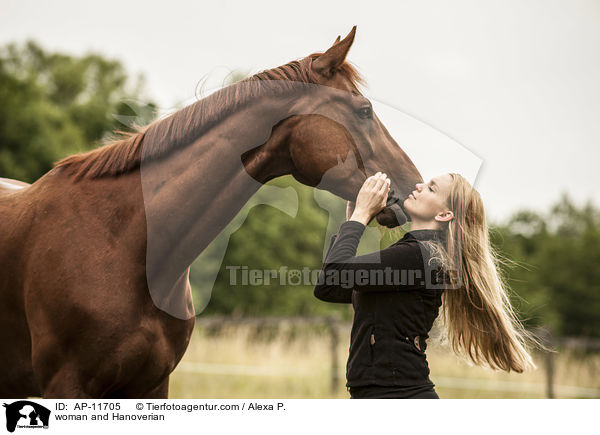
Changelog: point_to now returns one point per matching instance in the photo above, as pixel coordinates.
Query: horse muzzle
(393, 215)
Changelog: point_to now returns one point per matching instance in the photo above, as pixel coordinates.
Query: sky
(506, 91)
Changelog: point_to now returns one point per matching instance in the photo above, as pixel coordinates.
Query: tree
(269, 239)
(557, 280)
(54, 105)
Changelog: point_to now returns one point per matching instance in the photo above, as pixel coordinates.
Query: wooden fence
(333, 325)
(579, 344)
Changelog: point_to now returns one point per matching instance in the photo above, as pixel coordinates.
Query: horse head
(334, 140)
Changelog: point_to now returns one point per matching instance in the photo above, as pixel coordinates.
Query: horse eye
(365, 112)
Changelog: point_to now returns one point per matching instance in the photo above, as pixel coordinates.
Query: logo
(26, 414)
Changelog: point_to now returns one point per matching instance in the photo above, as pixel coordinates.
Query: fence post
(333, 346)
(546, 333)
(549, 375)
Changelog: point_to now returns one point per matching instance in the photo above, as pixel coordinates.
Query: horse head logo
(27, 413)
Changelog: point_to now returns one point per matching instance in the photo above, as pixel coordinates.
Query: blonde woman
(445, 260)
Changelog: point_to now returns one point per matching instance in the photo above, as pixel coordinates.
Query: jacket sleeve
(332, 293)
(398, 267)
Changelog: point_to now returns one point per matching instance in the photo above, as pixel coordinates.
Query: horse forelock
(124, 154)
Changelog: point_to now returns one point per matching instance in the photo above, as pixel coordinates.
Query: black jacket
(396, 297)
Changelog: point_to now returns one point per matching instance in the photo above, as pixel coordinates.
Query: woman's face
(428, 202)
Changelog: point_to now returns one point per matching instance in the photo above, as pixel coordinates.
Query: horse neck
(192, 194)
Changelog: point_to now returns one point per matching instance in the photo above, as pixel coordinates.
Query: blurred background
(515, 83)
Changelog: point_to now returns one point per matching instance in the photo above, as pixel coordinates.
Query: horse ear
(334, 57)
(337, 40)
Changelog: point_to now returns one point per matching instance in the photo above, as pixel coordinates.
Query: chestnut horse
(95, 254)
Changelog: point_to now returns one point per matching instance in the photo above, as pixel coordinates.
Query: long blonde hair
(477, 316)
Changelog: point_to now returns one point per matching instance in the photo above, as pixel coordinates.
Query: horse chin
(391, 217)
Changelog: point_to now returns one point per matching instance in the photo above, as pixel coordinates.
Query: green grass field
(295, 362)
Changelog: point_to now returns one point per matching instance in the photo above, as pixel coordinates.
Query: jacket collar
(439, 235)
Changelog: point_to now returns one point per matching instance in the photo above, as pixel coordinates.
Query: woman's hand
(371, 198)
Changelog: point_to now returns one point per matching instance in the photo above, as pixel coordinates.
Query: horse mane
(124, 154)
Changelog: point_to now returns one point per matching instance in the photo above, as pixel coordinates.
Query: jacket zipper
(372, 343)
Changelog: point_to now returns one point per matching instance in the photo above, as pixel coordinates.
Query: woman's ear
(444, 216)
